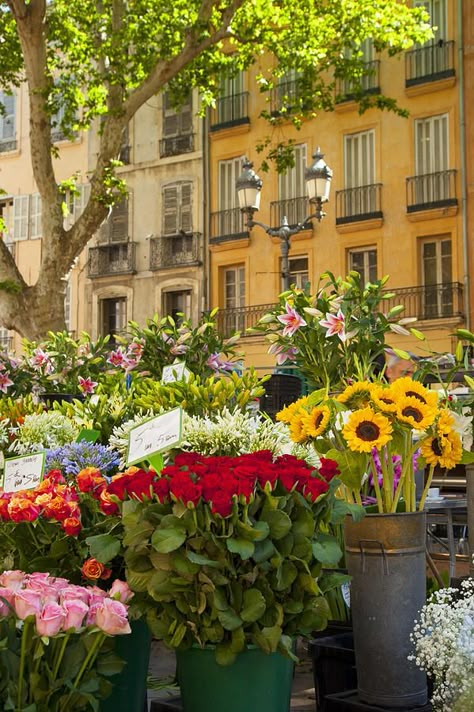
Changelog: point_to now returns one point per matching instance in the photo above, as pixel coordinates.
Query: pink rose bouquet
(55, 632)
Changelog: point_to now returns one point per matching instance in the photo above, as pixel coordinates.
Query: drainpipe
(462, 141)
(206, 276)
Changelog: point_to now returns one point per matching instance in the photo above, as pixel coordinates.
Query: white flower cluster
(444, 647)
(43, 430)
(233, 433)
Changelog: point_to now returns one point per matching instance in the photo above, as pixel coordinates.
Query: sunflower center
(387, 401)
(367, 430)
(414, 394)
(411, 412)
(436, 447)
(317, 420)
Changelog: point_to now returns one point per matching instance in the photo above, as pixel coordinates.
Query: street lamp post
(318, 183)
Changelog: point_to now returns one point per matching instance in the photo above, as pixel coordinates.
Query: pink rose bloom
(73, 593)
(39, 576)
(27, 603)
(12, 580)
(9, 596)
(75, 612)
(49, 620)
(91, 616)
(121, 591)
(112, 618)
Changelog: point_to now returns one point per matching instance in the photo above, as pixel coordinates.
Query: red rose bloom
(118, 486)
(328, 469)
(90, 480)
(314, 487)
(183, 488)
(72, 526)
(106, 504)
(57, 508)
(140, 485)
(22, 509)
(221, 504)
(161, 488)
(55, 476)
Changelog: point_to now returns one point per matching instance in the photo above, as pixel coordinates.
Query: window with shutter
(20, 217)
(177, 208)
(115, 228)
(177, 122)
(436, 257)
(364, 261)
(7, 118)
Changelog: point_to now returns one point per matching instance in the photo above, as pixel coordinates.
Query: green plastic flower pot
(256, 682)
(130, 686)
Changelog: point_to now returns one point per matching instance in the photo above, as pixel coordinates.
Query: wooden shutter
(119, 222)
(170, 210)
(186, 222)
(20, 217)
(170, 118)
(35, 216)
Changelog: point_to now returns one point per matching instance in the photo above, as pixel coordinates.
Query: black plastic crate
(349, 702)
(333, 666)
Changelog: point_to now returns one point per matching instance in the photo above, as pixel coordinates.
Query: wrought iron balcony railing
(7, 144)
(175, 145)
(429, 63)
(431, 301)
(110, 259)
(285, 96)
(175, 250)
(369, 83)
(361, 203)
(241, 318)
(295, 209)
(432, 190)
(230, 111)
(227, 225)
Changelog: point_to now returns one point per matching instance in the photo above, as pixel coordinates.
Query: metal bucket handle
(375, 544)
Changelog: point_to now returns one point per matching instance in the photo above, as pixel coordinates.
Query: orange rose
(71, 525)
(92, 569)
(107, 504)
(90, 480)
(57, 509)
(21, 509)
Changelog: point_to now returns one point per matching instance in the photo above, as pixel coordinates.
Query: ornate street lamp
(318, 183)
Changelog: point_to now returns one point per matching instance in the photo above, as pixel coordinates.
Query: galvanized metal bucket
(385, 555)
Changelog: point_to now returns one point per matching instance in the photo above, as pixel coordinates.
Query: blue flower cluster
(74, 457)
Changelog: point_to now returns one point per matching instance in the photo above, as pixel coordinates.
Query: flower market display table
(448, 511)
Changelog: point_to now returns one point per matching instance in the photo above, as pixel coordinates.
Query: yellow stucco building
(396, 204)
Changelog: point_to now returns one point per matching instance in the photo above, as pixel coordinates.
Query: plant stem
(60, 655)
(88, 661)
(426, 488)
(378, 494)
(24, 632)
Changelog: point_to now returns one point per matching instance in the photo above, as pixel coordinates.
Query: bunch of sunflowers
(379, 435)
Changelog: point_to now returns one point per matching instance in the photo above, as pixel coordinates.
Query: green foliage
(199, 396)
(356, 352)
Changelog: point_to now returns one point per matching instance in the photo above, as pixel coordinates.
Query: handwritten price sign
(154, 436)
(24, 472)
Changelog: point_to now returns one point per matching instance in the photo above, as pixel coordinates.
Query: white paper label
(154, 436)
(346, 593)
(24, 472)
(175, 372)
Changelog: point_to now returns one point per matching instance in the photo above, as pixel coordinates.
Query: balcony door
(229, 104)
(292, 189)
(234, 298)
(113, 317)
(364, 261)
(437, 278)
(230, 219)
(432, 159)
(359, 173)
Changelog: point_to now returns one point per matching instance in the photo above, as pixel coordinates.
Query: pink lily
(335, 325)
(87, 385)
(5, 382)
(292, 320)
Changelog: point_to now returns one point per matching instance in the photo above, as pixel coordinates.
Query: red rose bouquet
(229, 550)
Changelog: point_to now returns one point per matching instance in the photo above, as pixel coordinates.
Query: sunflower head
(357, 395)
(442, 450)
(316, 421)
(286, 414)
(384, 399)
(297, 429)
(414, 413)
(366, 429)
(445, 422)
(408, 388)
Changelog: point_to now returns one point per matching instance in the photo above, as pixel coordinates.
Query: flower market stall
(227, 527)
